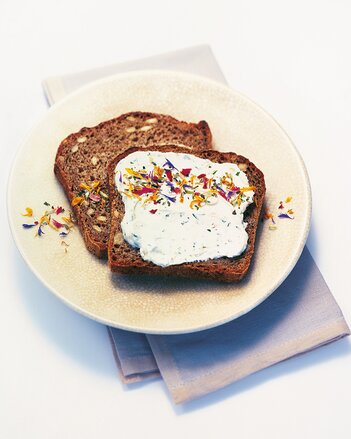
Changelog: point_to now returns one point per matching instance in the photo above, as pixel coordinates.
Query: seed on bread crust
(97, 228)
(94, 160)
(242, 166)
(82, 139)
(153, 120)
(131, 118)
(118, 238)
(75, 148)
(90, 211)
(101, 218)
(130, 130)
(145, 128)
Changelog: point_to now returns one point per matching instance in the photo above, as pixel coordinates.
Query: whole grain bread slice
(82, 158)
(125, 259)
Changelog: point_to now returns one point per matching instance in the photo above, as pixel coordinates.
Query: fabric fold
(298, 317)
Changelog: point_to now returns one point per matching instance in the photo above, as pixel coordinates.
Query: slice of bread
(82, 159)
(125, 259)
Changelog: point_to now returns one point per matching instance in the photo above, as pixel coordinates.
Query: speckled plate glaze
(160, 306)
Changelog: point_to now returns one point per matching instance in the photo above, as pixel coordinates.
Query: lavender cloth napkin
(299, 316)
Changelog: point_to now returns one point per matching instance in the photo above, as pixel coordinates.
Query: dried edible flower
(77, 200)
(169, 164)
(28, 226)
(186, 172)
(29, 212)
(169, 174)
(95, 197)
(285, 215)
(56, 223)
(85, 186)
(47, 220)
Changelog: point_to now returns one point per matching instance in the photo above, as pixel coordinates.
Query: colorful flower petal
(285, 215)
(85, 186)
(186, 172)
(29, 212)
(56, 223)
(95, 197)
(169, 164)
(169, 174)
(77, 200)
(144, 190)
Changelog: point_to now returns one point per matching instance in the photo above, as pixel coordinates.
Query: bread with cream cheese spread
(82, 158)
(123, 258)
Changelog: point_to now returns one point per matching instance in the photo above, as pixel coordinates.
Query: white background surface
(57, 373)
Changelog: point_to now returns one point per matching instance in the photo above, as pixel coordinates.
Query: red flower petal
(186, 172)
(56, 223)
(169, 174)
(144, 190)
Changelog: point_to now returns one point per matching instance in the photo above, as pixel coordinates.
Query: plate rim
(185, 76)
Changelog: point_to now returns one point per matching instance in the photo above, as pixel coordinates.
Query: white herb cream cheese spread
(181, 208)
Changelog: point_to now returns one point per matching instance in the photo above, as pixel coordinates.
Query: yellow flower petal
(247, 189)
(85, 186)
(44, 219)
(134, 173)
(288, 199)
(95, 184)
(29, 212)
(77, 200)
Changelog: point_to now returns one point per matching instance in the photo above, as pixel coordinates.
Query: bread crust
(125, 259)
(70, 182)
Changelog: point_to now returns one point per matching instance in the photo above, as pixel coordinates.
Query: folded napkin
(299, 316)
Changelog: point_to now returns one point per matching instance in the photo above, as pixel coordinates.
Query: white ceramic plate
(160, 305)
